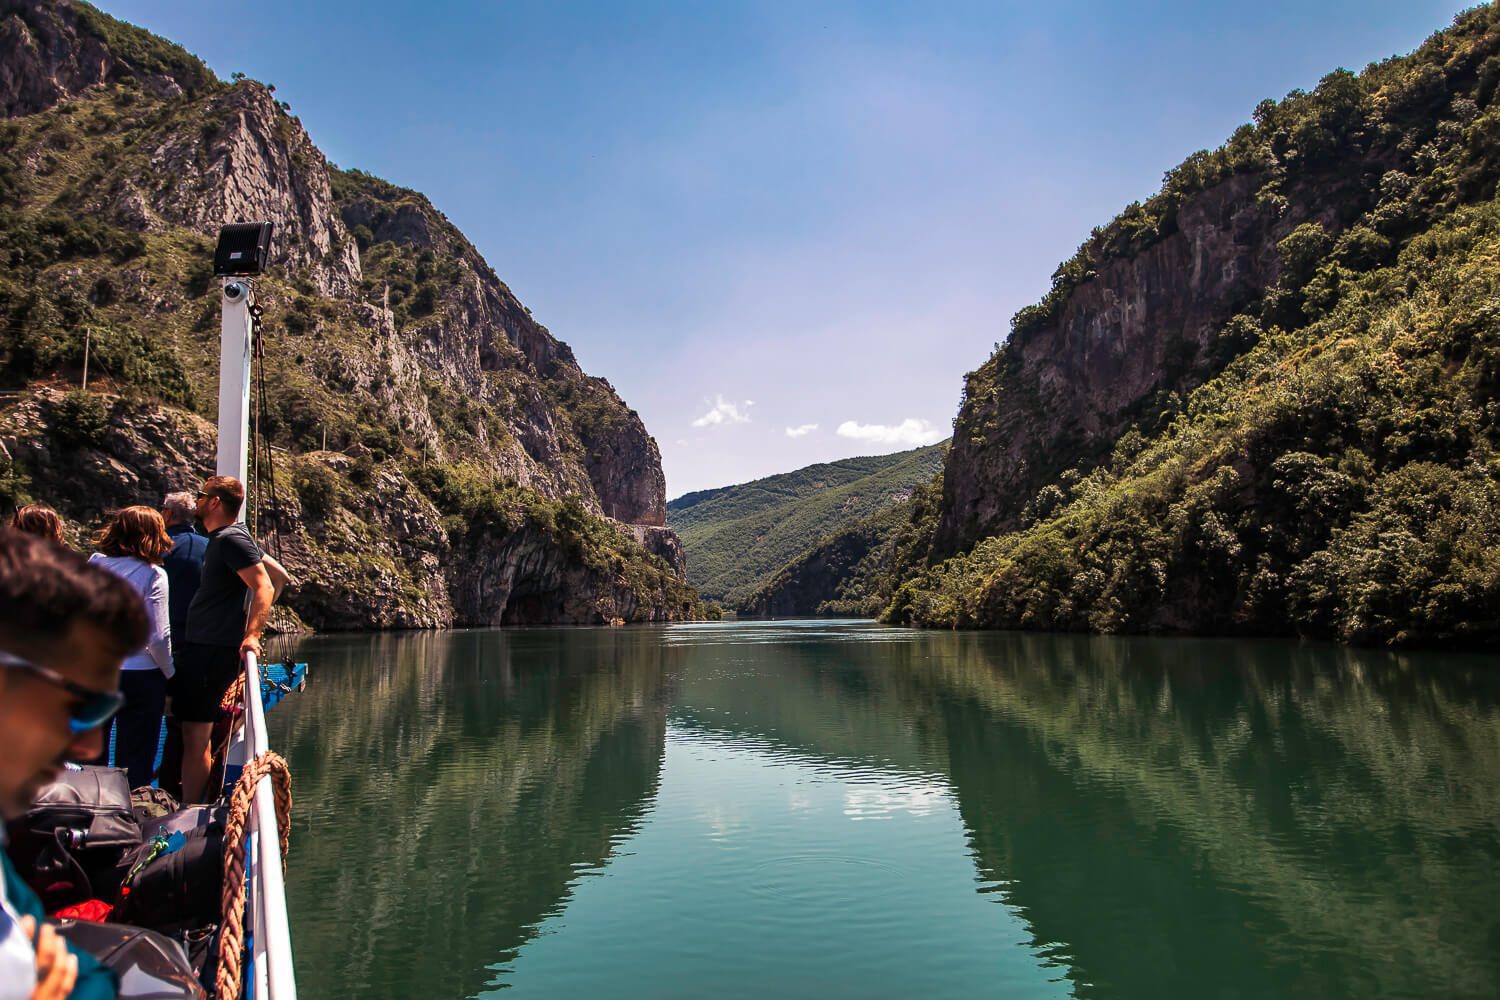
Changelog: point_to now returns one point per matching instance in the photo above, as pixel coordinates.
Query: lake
(838, 808)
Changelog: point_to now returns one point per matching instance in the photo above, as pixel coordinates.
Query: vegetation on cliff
(391, 347)
(853, 570)
(736, 537)
(1329, 466)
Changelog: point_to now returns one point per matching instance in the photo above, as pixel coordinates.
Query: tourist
(131, 546)
(219, 628)
(64, 628)
(39, 520)
(184, 564)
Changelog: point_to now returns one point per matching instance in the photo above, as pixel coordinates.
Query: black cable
(260, 358)
(255, 480)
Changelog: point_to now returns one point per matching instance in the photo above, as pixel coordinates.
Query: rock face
(443, 459)
(50, 52)
(1060, 395)
(136, 451)
(663, 543)
(245, 163)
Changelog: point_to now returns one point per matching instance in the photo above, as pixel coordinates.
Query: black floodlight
(244, 248)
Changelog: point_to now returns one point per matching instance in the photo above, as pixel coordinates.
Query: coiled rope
(235, 696)
(232, 932)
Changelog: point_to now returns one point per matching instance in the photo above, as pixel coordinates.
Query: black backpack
(173, 880)
(69, 843)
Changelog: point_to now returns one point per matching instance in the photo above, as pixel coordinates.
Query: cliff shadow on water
(1174, 816)
(451, 788)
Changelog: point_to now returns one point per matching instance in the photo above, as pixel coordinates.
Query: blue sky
(756, 219)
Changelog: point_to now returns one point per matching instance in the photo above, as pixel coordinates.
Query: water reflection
(449, 790)
(1249, 819)
(1148, 817)
(1188, 816)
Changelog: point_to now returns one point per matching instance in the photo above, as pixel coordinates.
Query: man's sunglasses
(93, 708)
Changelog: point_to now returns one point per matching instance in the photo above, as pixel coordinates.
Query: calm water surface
(814, 809)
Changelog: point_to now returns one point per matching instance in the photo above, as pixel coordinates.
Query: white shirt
(151, 583)
(17, 955)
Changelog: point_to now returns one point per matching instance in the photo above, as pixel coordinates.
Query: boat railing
(270, 948)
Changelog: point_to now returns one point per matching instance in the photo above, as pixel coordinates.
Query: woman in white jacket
(131, 546)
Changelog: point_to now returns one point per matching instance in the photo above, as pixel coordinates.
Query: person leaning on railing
(219, 628)
(65, 626)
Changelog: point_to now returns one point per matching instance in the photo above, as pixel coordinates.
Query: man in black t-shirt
(220, 629)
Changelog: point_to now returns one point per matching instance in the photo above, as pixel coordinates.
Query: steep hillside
(443, 458)
(852, 571)
(736, 536)
(1263, 400)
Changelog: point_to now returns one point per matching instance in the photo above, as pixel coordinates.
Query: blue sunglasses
(92, 709)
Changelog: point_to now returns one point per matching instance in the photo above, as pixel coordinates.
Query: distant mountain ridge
(735, 537)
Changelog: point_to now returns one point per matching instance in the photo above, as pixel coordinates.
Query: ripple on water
(820, 878)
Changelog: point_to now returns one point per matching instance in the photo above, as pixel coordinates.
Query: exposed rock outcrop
(50, 52)
(250, 161)
(1064, 392)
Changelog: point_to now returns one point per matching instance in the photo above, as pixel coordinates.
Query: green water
(815, 809)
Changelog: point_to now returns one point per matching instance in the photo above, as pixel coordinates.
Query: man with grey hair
(184, 564)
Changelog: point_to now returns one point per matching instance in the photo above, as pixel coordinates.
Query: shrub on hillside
(319, 489)
(81, 418)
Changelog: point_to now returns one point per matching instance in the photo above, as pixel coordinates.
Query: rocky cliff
(1137, 329)
(463, 468)
(1263, 400)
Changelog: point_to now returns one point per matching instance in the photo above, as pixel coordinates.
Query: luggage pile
(131, 876)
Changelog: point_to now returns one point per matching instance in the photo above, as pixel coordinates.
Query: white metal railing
(271, 975)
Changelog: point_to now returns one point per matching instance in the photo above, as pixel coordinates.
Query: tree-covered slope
(442, 459)
(736, 536)
(1305, 440)
(852, 571)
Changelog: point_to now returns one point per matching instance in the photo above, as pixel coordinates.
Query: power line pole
(86, 332)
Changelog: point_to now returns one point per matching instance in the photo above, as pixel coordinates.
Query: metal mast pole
(235, 334)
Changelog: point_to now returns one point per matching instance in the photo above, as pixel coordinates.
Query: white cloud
(724, 412)
(801, 431)
(910, 431)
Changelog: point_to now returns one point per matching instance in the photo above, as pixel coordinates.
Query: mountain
(737, 536)
(440, 457)
(852, 570)
(1265, 399)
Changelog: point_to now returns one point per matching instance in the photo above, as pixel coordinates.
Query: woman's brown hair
(39, 520)
(135, 531)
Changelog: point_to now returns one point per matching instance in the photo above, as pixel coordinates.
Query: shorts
(203, 674)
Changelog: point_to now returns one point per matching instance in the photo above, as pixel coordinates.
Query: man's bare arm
(261, 594)
(280, 578)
